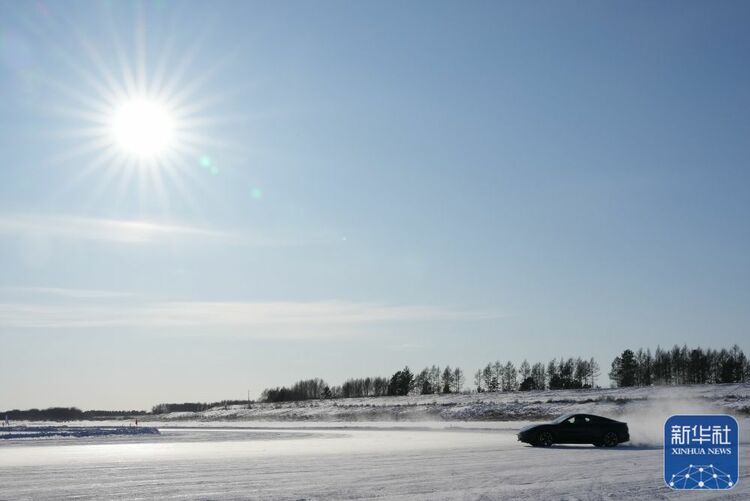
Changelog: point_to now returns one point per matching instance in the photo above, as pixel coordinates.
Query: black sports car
(576, 429)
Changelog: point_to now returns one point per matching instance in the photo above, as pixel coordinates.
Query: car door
(576, 430)
(585, 429)
(596, 430)
(567, 431)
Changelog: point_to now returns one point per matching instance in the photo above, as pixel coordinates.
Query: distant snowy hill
(533, 405)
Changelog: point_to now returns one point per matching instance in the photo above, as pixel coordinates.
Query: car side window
(572, 420)
(588, 420)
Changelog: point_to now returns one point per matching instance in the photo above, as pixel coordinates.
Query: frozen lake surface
(417, 461)
(36, 432)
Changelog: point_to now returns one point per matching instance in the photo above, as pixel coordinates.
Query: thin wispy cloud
(142, 231)
(89, 228)
(65, 293)
(218, 315)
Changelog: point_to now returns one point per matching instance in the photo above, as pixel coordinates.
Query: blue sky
(356, 187)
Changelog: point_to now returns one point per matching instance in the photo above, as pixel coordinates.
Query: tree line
(403, 382)
(496, 376)
(316, 388)
(679, 365)
(562, 374)
(193, 406)
(360, 387)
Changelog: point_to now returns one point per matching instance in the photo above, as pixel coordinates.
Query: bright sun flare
(143, 128)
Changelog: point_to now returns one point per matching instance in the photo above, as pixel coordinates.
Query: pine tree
(624, 369)
(402, 382)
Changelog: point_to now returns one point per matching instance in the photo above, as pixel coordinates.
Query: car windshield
(562, 418)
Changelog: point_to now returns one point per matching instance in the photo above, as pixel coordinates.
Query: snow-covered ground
(243, 454)
(405, 463)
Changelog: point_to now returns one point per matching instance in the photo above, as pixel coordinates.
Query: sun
(143, 128)
(141, 125)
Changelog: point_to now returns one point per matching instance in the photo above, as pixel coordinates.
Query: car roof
(565, 417)
(594, 416)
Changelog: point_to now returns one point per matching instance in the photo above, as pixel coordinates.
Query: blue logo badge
(701, 451)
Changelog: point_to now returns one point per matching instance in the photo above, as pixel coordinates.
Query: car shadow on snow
(621, 447)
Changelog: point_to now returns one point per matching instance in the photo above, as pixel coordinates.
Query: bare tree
(423, 382)
(497, 369)
(447, 379)
(594, 371)
(490, 382)
(537, 373)
(458, 379)
(525, 369)
(435, 378)
(510, 377)
(478, 381)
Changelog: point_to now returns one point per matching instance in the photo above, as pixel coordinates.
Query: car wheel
(610, 439)
(545, 439)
